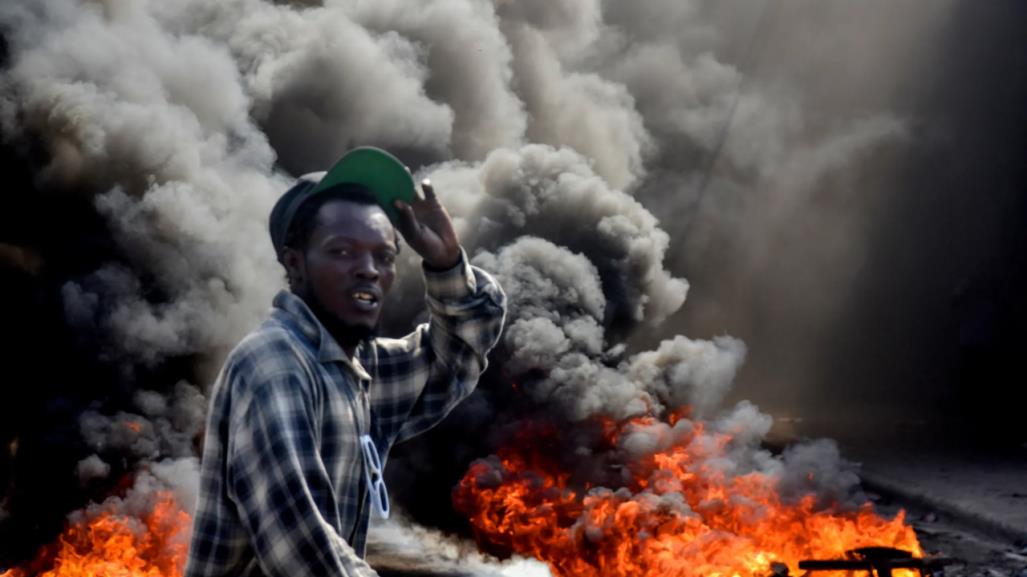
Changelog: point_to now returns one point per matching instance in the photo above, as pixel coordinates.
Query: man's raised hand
(428, 229)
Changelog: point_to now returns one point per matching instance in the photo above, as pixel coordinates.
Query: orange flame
(115, 545)
(676, 515)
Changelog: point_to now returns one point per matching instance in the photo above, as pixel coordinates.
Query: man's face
(348, 265)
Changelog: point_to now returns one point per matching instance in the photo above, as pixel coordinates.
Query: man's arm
(279, 483)
(420, 378)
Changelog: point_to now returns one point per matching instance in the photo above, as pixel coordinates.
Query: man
(307, 406)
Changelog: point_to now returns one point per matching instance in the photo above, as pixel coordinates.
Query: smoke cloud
(591, 153)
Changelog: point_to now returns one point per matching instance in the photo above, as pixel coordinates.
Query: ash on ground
(400, 548)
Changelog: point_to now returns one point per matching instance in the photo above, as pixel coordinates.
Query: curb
(983, 523)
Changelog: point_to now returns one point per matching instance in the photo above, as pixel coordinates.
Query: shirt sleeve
(421, 377)
(279, 483)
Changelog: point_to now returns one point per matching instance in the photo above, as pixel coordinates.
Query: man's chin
(346, 331)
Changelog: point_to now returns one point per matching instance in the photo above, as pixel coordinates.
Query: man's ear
(295, 268)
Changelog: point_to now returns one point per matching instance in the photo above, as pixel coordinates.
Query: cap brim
(382, 174)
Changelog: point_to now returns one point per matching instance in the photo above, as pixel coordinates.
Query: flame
(676, 515)
(117, 545)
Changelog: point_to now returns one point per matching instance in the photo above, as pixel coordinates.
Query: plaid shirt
(282, 489)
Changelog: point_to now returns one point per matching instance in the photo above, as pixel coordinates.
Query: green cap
(381, 173)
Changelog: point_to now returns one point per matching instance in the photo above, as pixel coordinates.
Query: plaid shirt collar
(294, 311)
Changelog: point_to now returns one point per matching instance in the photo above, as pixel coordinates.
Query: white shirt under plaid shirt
(282, 488)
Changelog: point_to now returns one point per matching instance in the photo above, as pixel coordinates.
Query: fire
(676, 514)
(116, 545)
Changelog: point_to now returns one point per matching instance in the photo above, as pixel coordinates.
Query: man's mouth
(365, 300)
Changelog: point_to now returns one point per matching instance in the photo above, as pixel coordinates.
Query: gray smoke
(794, 163)
(165, 426)
(555, 193)
(572, 141)
(158, 126)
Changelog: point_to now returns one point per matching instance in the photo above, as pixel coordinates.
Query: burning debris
(879, 562)
(686, 507)
(143, 534)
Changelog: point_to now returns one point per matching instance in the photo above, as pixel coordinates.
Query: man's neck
(342, 336)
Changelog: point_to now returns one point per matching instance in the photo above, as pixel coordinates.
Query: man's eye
(387, 258)
(339, 251)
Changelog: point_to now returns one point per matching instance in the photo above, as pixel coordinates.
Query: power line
(759, 33)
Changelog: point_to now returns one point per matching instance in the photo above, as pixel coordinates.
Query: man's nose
(366, 267)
